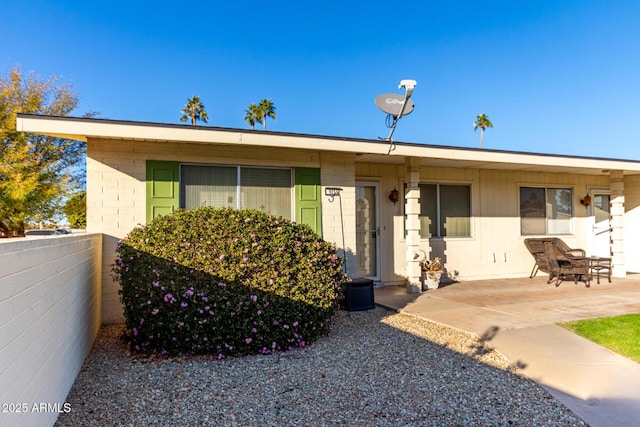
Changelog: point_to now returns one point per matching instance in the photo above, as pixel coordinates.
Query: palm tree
(252, 115)
(266, 109)
(482, 122)
(194, 110)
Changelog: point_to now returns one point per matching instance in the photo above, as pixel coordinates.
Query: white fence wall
(50, 305)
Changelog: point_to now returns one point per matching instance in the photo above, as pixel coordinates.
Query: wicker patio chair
(563, 264)
(536, 248)
(566, 250)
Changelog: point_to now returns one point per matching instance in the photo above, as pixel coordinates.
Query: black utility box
(359, 295)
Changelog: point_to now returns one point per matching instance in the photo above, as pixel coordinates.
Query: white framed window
(546, 211)
(445, 210)
(268, 189)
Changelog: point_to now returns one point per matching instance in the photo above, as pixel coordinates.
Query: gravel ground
(377, 368)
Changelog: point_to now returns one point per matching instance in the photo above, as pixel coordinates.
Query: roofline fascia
(81, 128)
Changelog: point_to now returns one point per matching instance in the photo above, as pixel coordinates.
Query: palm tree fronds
(194, 111)
(482, 122)
(266, 108)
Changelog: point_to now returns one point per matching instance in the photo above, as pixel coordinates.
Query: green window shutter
(162, 188)
(308, 198)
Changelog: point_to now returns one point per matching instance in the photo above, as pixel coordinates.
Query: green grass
(620, 334)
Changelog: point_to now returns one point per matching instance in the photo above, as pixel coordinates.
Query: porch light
(394, 196)
(586, 200)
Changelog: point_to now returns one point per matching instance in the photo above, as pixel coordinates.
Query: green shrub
(226, 282)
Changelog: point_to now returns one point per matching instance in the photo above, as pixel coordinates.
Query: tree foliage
(194, 111)
(76, 210)
(482, 122)
(258, 113)
(36, 171)
(252, 115)
(266, 108)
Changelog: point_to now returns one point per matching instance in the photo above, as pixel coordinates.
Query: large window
(267, 189)
(546, 210)
(445, 210)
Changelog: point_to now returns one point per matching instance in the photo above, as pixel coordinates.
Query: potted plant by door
(431, 272)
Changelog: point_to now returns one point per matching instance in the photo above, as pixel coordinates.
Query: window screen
(239, 187)
(445, 210)
(266, 189)
(545, 210)
(214, 186)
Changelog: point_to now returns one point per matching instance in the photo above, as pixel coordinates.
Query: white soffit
(372, 151)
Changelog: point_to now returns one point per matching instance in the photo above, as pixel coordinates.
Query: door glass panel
(366, 232)
(601, 229)
(601, 207)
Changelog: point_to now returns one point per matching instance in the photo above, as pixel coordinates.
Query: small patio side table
(600, 264)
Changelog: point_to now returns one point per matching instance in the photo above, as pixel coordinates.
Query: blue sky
(558, 77)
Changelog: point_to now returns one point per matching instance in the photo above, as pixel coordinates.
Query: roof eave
(84, 129)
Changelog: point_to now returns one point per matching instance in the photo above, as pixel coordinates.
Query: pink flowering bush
(226, 282)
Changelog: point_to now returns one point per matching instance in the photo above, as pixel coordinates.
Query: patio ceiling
(366, 150)
(592, 167)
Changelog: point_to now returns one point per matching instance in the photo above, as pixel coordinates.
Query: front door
(367, 230)
(600, 210)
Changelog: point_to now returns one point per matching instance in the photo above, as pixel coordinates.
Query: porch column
(412, 210)
(617, 223)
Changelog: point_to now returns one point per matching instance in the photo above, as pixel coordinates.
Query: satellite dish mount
(396, 106)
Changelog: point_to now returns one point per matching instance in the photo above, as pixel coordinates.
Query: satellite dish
(391, 103)
(396, 106)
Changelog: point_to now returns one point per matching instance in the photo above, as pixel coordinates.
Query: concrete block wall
(50, 301)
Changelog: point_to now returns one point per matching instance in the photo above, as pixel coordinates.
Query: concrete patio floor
(518, 318)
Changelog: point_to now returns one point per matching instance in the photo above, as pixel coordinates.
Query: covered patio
(518, 317)
(518, 302)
